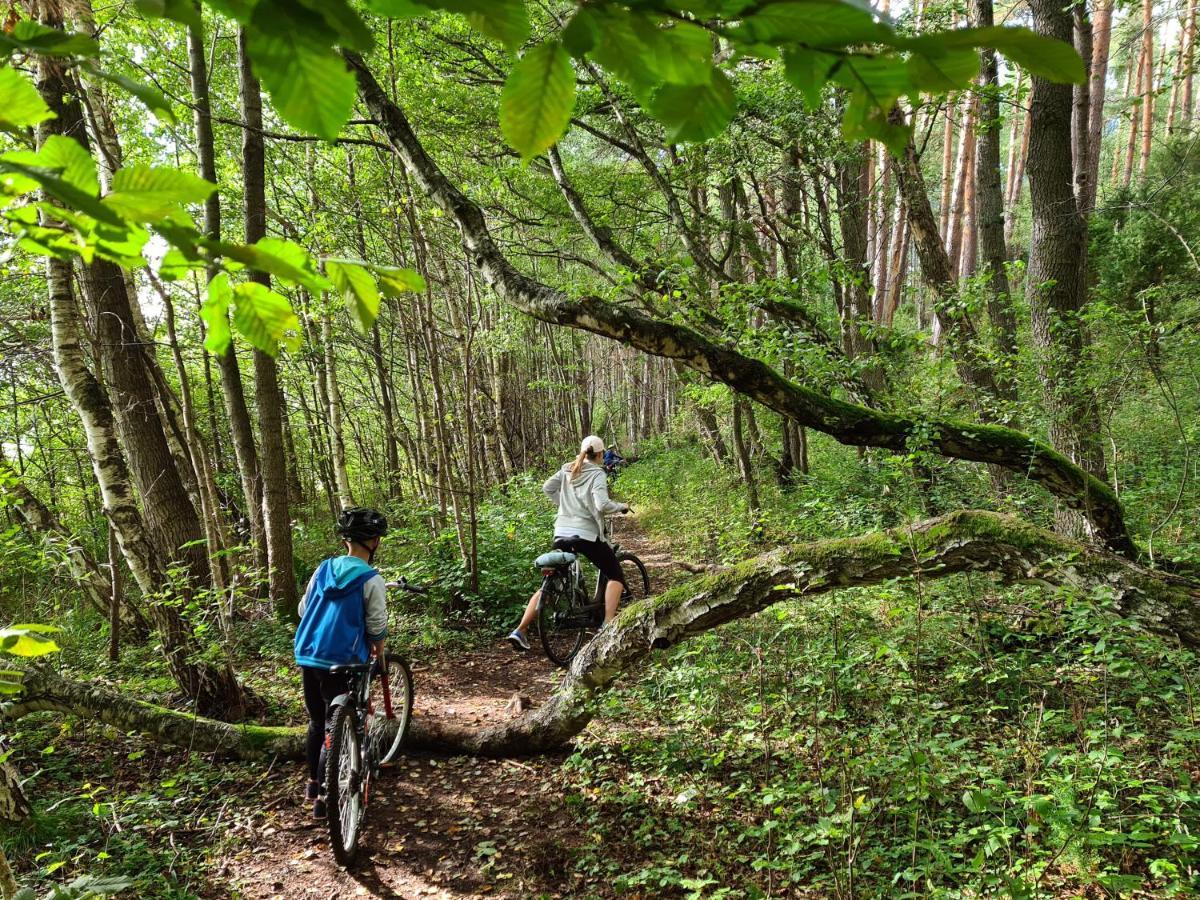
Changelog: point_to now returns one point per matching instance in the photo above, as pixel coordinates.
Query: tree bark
(1147, 85)
(281, 577)
(965, 541)
(1189, 56)
(333, 409)
(1081, 146)
(240, 428)
(1058, 266)
(212, 686)
(991, 212)
(1098, 78)
(856, 314)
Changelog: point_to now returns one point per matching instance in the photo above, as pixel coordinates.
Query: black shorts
(600, 554)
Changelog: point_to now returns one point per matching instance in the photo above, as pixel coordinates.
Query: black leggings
(600, 554)
(321, 688)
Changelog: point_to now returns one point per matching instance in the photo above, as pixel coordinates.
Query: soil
(437, 827)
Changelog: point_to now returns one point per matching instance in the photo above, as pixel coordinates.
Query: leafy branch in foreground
(72, 220)
(662, 50)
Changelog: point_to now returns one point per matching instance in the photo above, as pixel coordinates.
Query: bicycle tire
(344, 777)
(637, 581)
(387, 743)
(561, 644)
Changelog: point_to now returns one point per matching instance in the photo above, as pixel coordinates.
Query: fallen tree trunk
(846, 422)
(966, 541)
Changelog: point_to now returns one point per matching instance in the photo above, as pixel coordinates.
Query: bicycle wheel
(559, 621)
(387, 735)
(344, 779)
(637, 580)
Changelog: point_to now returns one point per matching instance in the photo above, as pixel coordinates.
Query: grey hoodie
(582, 501)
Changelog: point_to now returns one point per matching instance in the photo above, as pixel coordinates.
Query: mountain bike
(567, 618)
(368, 727)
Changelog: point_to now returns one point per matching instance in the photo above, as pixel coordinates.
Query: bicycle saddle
(351, 667)
(554, 558)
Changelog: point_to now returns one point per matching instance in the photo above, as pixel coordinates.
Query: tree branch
(845, 422)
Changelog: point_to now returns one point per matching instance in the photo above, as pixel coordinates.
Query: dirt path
(438, 827)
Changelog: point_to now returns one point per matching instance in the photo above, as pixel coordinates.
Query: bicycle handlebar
(405, 585)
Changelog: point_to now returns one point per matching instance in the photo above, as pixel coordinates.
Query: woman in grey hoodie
(580, 489)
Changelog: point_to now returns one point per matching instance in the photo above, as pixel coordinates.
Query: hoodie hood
(344, 570)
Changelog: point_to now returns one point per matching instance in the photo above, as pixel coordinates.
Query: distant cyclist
(612, 459)
(580, 488)
(343, 619)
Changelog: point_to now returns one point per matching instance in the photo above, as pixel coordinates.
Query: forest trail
(439, 827)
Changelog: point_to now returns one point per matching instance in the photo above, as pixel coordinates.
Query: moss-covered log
(968, 541)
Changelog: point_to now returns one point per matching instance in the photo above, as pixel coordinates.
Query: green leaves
(261, 316)
(695, 112)
(264, 318)
(536, 103)
(358, 290)
(281, 258)
(394, 281)
(215, 313)
(27, 640)
(308, 81)
(146, 194)
(20, 104)
(152, 98)
(356, 282)
(1037, 54)
(183, 11)
(33, 37)
(504, 20)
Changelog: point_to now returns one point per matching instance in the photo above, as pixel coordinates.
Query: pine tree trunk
(1133, 91)
(1098, 78)
(281, 576)
(1081, 146)
(1147, 85)
(1189, 57)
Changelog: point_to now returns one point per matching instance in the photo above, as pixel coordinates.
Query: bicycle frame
(575, 573)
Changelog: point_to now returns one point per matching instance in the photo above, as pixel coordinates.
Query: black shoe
(319, 811)
(313, 791)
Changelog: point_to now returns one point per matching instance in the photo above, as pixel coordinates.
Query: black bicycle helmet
(360, 523)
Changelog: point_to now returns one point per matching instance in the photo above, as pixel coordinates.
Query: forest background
(831, 275)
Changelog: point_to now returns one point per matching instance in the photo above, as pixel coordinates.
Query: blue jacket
(333, 614)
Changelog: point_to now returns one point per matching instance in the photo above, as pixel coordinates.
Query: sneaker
(518, 640)
(319, 811)
(313, 792)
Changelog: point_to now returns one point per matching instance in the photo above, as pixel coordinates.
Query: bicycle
(566, 616)
(360, 741)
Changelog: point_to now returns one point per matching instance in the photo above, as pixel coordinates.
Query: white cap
(591, 444)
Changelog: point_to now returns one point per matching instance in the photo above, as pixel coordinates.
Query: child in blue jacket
(343, 620)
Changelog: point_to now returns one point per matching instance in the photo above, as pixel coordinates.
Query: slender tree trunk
(1098, 77)
(1014, 133)
(1081, 146)
(1147, 85)
(281, 576)
(856, 315)
(334, 412)
(947, 170)
(1058, 268)
(991, 211)
(1189, 57)
(1132, 92)
(1018, 182)
(743, 455)
(240, 428)
(116, 596)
